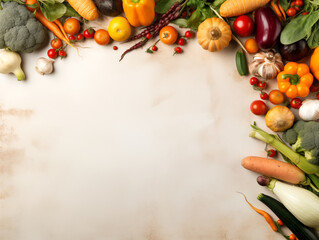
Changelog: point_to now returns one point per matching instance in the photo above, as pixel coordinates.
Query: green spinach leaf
(53, 11)
(299, 28)
(313, 40)
(284, 4)
(70, 12)
(163, 6)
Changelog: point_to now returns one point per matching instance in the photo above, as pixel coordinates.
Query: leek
(297, 159)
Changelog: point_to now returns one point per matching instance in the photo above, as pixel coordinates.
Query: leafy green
(162, 6)
(313, 40)
(70, 12)
(53, 11)
(299, 28)
(202, 12)
(284, 4)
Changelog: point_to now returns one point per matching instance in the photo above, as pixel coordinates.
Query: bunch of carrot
(55, 27)
(280, 12)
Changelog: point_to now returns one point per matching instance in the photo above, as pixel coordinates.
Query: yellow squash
(214, 34)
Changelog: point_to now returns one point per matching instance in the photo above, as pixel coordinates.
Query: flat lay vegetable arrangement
(275, 40)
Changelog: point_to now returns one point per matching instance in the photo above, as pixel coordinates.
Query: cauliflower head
(19, 29)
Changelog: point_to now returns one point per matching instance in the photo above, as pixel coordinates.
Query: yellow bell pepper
(139, 12)
(295, 80)
(314, 63)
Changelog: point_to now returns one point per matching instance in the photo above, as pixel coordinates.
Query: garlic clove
(44, 66)
(309, 110)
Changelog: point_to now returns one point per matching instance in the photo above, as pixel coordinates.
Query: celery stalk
(297, 159)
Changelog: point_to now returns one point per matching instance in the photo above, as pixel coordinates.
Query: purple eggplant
(268, 28)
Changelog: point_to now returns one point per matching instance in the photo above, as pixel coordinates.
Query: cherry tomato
(271, 153)
(181, 41)
(263, 95)
(315, 86)
(89, 33)
(72, 26)
(293, 3)
(102, 37)
(243, 26)
(80, 37)
(154, 48)
(188, 34)
(291, 12)
(62, 53)
(292, 237)
(72, 38)
(178, 50)
(262, 85)
(254, 81)
(56, 43)
(305, 13)
(258, 107)
(115, 48)
(52, 53)
(295, 103)
(280, 222)
(299, 3)
(148, 36)
(168, 35)
(276, 97)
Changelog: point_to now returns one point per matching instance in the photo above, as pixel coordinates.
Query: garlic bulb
(266, 65)
(309, 110)
(44, 66)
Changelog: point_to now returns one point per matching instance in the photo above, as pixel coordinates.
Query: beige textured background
(145, 149)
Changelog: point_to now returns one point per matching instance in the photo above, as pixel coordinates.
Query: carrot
(233, 8)
(268, 218)
(276, 9)
(86, 8)
(53, 27)
(283, 13)
(57, 22)
(276, 169)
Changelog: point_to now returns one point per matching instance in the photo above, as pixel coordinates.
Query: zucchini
(301, 231)
(241, 63)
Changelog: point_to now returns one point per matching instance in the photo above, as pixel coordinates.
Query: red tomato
(264, 96)
(181, 41)
(291, 12)
(80, 37)
(258, 107)
(243, 26)
(89, 33)
(271, 153)
(295, 103)
(52, 53)
(178, 50)
(262, 85)
(62, 53)
(188, 34)
(253, 81)
(56, 43)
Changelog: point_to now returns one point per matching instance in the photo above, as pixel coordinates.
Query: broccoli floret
(19, 29)
(304, 139)
(290, 136)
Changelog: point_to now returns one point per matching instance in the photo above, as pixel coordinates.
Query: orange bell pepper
(139, 12)
(295, 80)
(314, 63)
